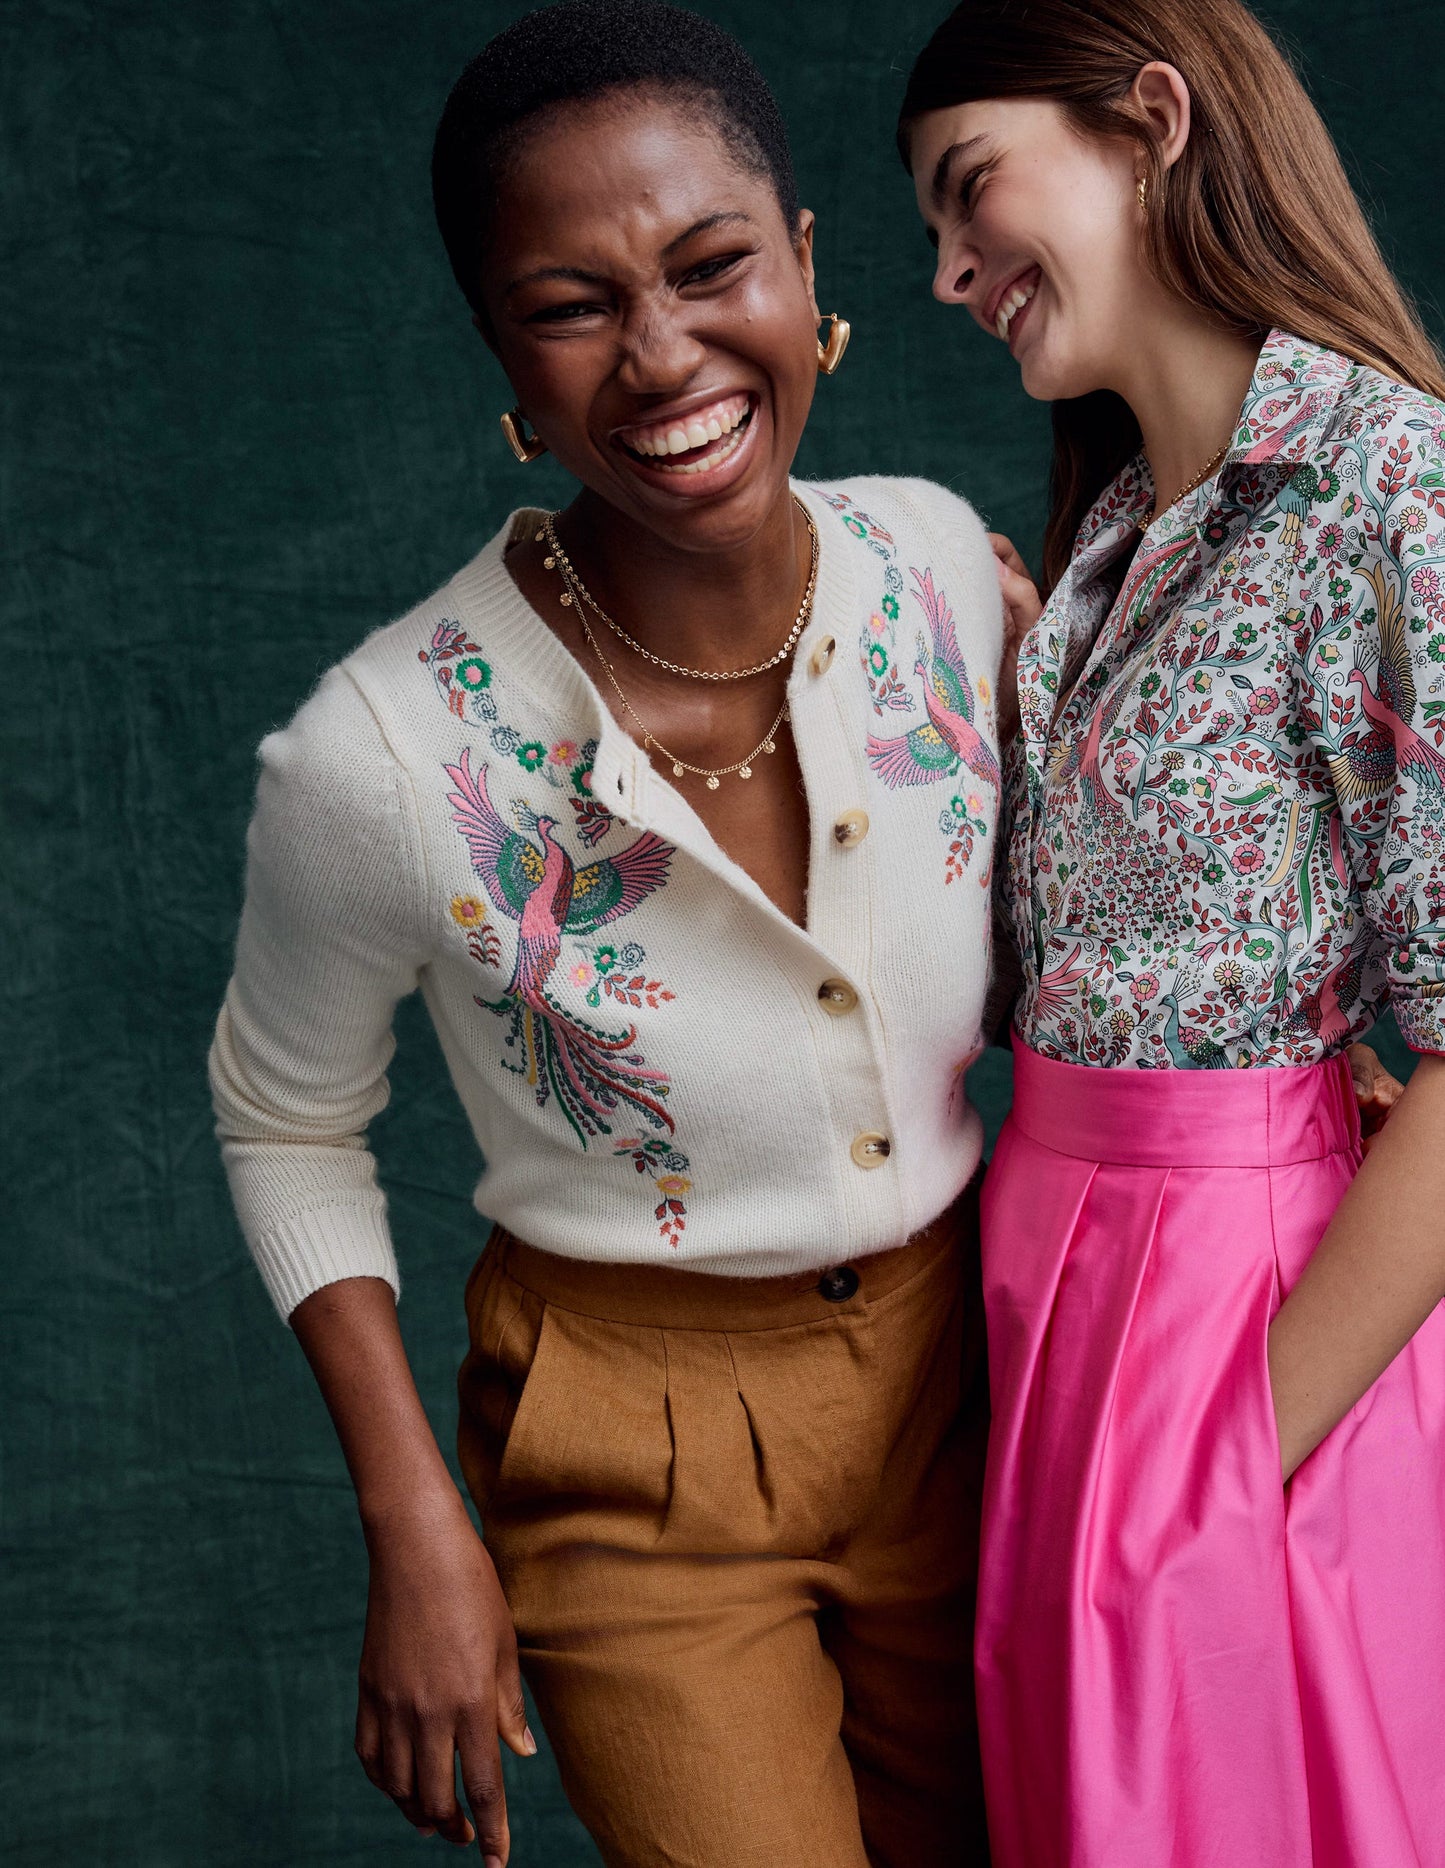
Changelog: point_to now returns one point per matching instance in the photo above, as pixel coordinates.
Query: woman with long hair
(1212, 1599)
(680, 806)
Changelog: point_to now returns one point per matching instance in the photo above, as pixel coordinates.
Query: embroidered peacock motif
(949, 739)
(592, 1073)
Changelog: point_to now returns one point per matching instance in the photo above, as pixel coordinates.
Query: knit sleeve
(331, 938)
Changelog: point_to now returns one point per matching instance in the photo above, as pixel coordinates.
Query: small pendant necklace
(576, 596)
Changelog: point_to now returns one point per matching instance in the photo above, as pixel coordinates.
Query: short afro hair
(569, 53)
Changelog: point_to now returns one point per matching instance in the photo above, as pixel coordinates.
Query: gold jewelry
(1189, 485)
(557, 560)
(526, 447)
(713, 774)
(830, 355)
(1143, 193)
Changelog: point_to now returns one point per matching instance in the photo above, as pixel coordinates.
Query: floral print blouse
(1228, 847)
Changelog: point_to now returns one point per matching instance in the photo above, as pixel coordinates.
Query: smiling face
(1037, 230)
(655, 315)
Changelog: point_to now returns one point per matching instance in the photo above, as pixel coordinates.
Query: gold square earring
(830, 355)
(526, 447)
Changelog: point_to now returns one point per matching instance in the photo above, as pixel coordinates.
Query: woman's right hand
(439, 1676)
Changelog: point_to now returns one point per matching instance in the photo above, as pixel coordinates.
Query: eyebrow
(943, 168)
(578, 275)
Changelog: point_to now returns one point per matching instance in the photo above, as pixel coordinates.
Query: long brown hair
(1256, 223)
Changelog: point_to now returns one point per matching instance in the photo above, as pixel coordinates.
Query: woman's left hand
(1376, 1091)
(1022, 607)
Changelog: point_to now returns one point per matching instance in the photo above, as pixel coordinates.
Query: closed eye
(564, 314)
(712, 269)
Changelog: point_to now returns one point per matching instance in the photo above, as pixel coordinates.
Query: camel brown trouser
(737, 1524)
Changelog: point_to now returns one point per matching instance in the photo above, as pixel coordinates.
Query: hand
(439, 1677)
(1376, 1091)
(1022, 608)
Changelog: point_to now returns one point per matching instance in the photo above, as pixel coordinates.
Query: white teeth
(692, 431)
(1011, 307)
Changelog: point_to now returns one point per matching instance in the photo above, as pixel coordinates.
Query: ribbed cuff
(302, 1253)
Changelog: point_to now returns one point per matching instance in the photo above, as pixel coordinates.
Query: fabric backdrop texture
(245, 420)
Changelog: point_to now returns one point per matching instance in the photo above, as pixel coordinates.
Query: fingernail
(529, 1744)
(495, 1861)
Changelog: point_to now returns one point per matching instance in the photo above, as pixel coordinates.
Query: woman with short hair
(680, 805)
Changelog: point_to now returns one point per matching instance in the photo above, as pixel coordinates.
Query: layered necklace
(576, 595)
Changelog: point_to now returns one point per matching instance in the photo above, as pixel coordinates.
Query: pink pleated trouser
(1180, 1663)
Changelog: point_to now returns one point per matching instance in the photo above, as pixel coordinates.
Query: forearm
(1373, 1279)
(350, 1336)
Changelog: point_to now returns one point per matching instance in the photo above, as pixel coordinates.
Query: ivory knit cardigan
(658, 1065)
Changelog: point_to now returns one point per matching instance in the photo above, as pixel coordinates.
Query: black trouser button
(839, 1284)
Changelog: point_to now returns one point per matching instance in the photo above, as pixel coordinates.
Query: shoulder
(919, 511)
(1387, 420)
(924, 526)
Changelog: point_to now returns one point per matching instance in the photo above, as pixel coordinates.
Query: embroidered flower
(877, 623)
(606, 959)
(563, 753)
(975, 804)
(1121, 1023)
(473, 674)
(1327, 484)
(582, 974)
(1425, 582)
(985, 692)
(1125, 759)
(889, 606)
(878, 660)
(1263, 700)
(582, 781)
(1259, 949)
(1435, 648)
(468, 911)
(1145, 987)
(1172, 761)
(1246, 633)
(855, 527)
(674, 1184)
(1229, 974)
(1248, 859)
(1412, 519)
(1332, 537)
(531, 755)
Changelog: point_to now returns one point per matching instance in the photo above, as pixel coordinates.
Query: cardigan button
(821, 660)
(839, 1284)
(836, 997)
(870, 1150)
(850, 829)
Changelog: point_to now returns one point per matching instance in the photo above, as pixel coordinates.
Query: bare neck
(712, 610)
(1186, 385)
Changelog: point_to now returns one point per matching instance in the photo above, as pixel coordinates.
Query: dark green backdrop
(245, 420)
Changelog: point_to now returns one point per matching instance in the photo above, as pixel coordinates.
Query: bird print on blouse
(1227, 841)
(947, 741)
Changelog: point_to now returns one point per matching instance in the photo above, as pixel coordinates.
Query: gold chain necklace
(1189, 485)
(557, 560)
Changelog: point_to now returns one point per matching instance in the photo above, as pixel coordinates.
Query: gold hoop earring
(526, 447)
(1143, 194)
(830, 355)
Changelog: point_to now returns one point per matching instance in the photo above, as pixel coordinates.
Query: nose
(956, 271)
(660, 352)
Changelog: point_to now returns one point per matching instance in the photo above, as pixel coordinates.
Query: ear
(483, 328)
(803, 249)
(1161, 95)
